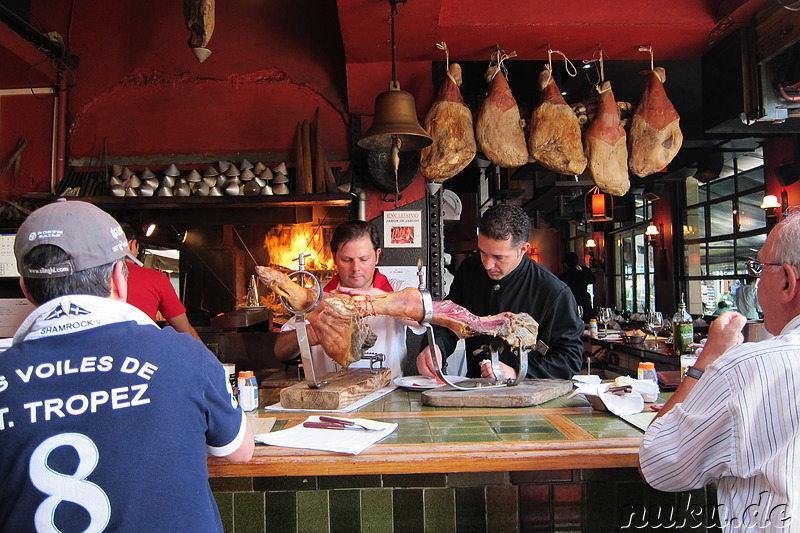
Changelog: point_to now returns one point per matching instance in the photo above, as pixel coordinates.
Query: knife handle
(322, 425)
(341, 421)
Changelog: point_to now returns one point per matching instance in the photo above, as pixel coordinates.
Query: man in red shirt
(151, 291)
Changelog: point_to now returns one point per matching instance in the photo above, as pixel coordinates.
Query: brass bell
(395, 117)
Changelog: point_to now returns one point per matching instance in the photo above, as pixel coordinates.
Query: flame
(285, 242)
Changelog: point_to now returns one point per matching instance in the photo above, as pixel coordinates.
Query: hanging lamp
(395, 123)
(597, 206)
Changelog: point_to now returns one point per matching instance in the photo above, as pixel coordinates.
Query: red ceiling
(677, 30)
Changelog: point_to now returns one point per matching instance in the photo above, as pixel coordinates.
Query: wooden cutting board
(529, 392)
(344, 387)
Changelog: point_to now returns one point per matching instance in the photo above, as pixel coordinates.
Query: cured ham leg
(555, 136)
(341, 316)
(200, 20)
(655, 136)
(449, 123)
(498, 129)
(606, 147)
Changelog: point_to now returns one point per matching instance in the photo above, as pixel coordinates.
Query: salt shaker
(647, 371)
(248, 390)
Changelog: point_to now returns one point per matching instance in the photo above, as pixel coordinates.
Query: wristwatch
(694, 372)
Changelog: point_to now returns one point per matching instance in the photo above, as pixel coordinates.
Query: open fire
(285, 242)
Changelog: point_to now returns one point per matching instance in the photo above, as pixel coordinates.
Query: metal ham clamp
(495, 348)
(305, 278)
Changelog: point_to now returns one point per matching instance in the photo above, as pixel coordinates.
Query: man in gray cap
(105, 419)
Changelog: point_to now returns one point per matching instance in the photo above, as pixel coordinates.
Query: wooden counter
(625, 358)
(560, 434)
(560, 466)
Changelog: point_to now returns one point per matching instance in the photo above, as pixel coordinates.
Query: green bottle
(682, 330)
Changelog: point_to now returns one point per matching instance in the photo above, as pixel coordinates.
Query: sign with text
(402, 229)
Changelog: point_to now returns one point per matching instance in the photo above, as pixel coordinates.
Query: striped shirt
(738, 426)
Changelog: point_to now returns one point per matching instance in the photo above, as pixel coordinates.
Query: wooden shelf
(227, 202)
(219, 210)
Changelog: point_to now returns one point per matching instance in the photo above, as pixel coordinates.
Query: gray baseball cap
(90, 236)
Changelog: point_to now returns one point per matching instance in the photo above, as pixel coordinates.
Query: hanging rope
(498, 57)
(443, 46)
(569, 67)
(648, 48)
(597, 57)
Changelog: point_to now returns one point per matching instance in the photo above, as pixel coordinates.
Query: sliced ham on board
(655, 135)
(449, 123)
(606, 148)
(498, 129)
(555, 134)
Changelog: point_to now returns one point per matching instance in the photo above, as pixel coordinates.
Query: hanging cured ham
(498, 129)
(200, 20)
(605, 145)
(555, 134)
(344, 336)
(655, 136)
(449, 123)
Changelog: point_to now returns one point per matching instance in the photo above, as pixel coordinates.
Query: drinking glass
(655, 321)
(604, 315)
(580, 311)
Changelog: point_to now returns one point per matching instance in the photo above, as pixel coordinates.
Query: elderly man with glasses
(735, 419)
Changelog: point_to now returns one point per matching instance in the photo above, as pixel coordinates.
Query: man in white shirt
(735, 419)
(356, 251)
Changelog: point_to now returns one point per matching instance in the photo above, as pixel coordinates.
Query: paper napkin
(351, 441)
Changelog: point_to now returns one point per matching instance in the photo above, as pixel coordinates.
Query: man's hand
(425, 363)
(372, 291)
(486, 371)
(311, 333)
(724, 332)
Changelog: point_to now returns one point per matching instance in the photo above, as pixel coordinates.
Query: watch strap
(694, 372)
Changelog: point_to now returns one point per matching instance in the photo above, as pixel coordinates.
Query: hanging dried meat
(555, 133)
(498, 129)
(200, 20)
(605, 145)
(655, 136)
(449, 123)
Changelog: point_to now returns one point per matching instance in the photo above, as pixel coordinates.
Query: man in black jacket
(501, 277)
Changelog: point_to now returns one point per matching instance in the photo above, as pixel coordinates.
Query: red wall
(140, 87)
(30, 117)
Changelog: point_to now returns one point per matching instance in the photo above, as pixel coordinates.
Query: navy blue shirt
(111, 425)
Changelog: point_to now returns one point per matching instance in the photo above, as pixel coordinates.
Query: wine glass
(655, 321)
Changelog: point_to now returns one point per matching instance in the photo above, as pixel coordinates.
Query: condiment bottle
(647, 371)
(682, 330)
(248, 390)
(593, 328)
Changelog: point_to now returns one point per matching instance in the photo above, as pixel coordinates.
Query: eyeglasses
(754, 267)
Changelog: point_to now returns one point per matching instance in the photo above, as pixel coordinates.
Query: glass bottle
(682, 330)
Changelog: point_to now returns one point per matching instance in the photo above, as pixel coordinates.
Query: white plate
(423, 382)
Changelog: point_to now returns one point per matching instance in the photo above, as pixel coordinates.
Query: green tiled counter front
(559, 466)
(562, 433)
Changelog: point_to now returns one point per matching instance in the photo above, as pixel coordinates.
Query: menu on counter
(13, 311)
(8, 263)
